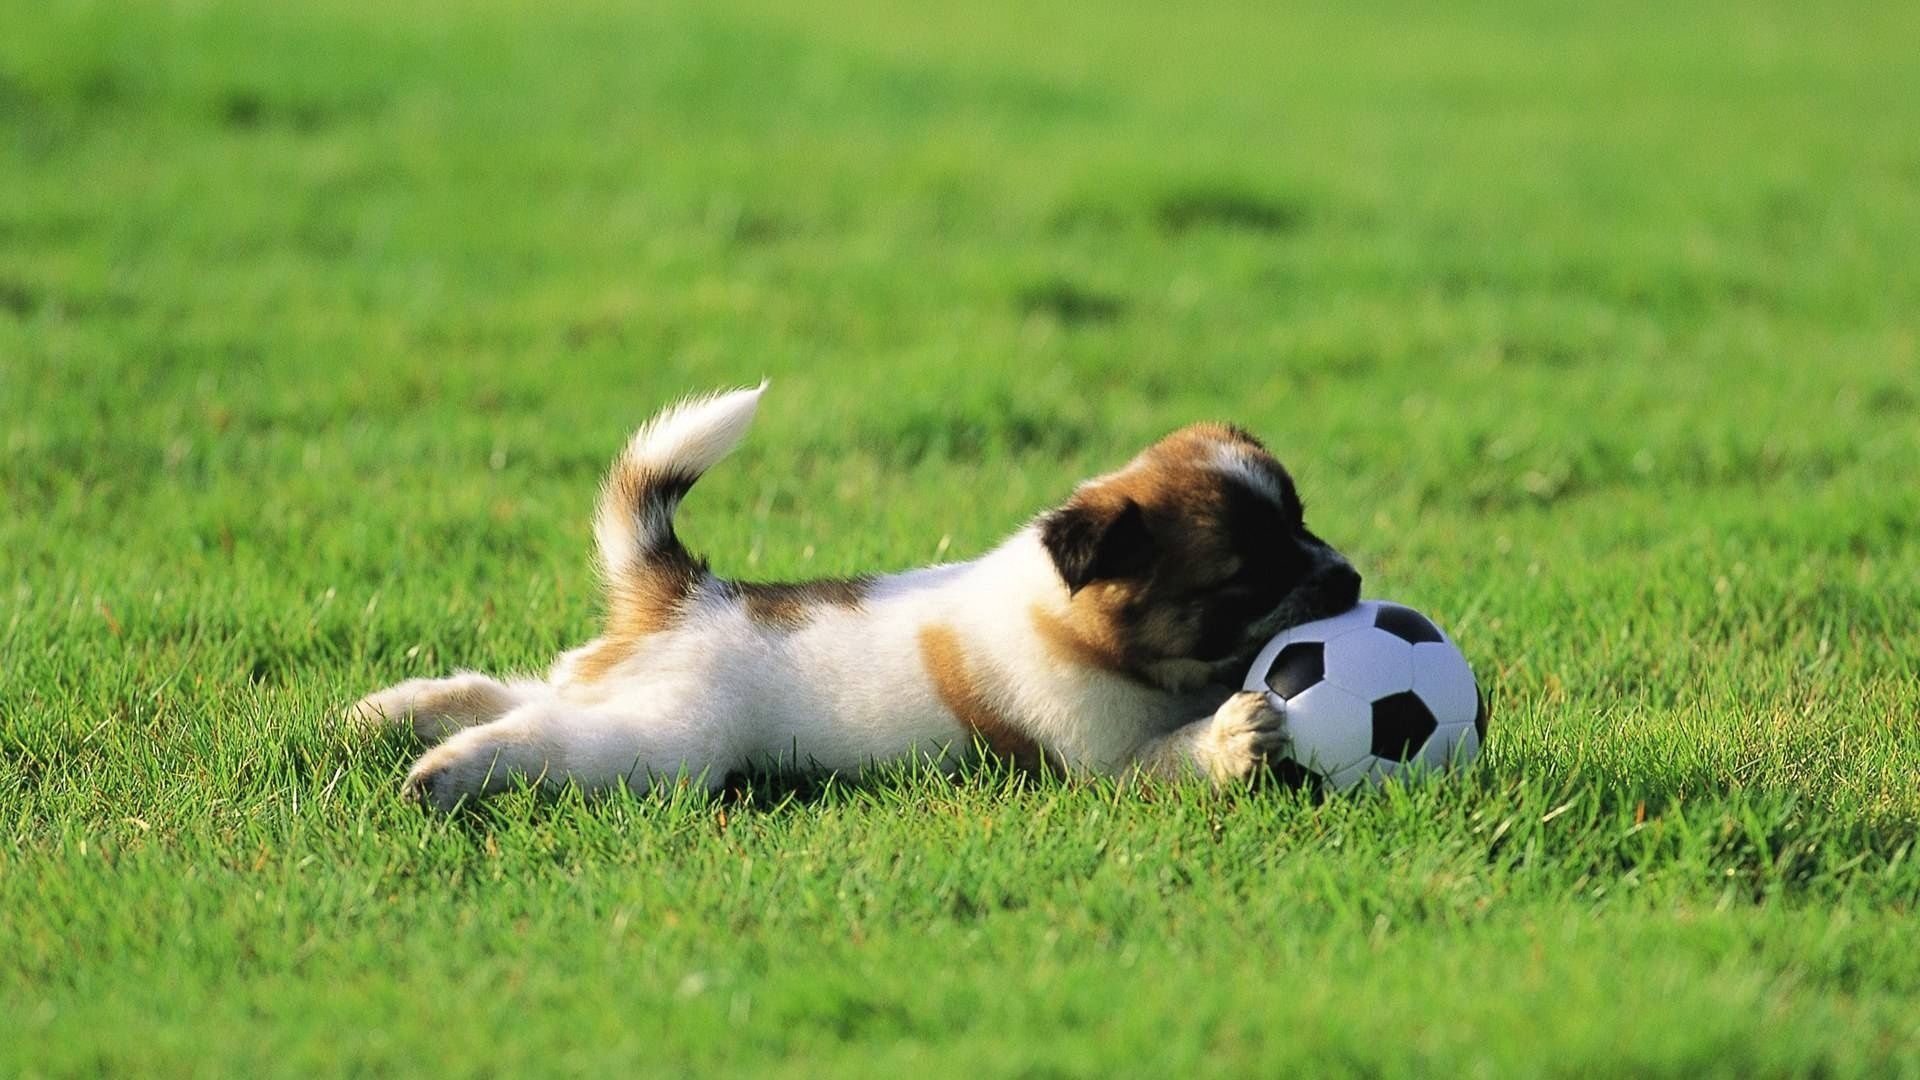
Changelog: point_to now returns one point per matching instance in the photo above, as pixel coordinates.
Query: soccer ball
(1375, 692)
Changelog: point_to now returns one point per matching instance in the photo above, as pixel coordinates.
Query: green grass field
(1591, 330)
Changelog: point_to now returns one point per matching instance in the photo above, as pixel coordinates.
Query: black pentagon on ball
(1402, 724)
(1406, 624)
(1299, 666)
(1480, 718)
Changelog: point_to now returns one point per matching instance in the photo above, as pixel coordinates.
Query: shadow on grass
(910, 784)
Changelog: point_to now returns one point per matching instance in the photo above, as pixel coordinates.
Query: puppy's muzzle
(1333, 587)
(1329, 592)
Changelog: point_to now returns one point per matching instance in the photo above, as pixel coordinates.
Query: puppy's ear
(1097, 542)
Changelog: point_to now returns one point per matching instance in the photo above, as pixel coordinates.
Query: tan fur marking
(946, 662)
(598, 659)
(1069, 645)
(640, 605)
(788, 605)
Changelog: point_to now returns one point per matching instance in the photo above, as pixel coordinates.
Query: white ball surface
(1333, 727)
(1369, 664)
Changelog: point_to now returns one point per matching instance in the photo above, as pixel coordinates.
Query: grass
(1588, 329)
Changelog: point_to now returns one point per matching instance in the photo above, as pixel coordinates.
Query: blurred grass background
(1589, 329)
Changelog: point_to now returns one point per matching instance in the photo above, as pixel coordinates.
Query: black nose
(1342, 585)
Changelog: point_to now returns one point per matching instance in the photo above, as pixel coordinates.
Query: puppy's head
(1181, 565)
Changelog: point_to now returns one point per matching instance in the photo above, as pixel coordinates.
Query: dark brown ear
(1092, 543)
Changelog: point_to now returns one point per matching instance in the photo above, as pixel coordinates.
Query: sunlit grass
(1591, 333)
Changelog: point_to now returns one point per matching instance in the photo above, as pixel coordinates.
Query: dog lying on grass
(1101, 637)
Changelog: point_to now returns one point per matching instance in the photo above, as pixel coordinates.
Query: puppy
(1104, 636)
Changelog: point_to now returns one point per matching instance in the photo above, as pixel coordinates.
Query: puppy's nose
(1342, 584)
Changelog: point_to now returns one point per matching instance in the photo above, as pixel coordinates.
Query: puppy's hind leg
(433, 708)
(553, 743)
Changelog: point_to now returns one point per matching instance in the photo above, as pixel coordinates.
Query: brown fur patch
(1217, 432)
(640, 604)
(959, 691)
(789, 605)
(599, 657)
(1064, 640)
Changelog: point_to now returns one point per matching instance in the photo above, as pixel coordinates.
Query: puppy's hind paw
(374, 711)
(431, 709)
(433, 786)
(393, 707)
(441, 780)
(471, 765)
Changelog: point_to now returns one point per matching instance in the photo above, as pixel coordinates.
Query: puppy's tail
(645, 565)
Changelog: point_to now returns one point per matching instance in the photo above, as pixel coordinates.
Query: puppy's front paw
(1246, 731)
